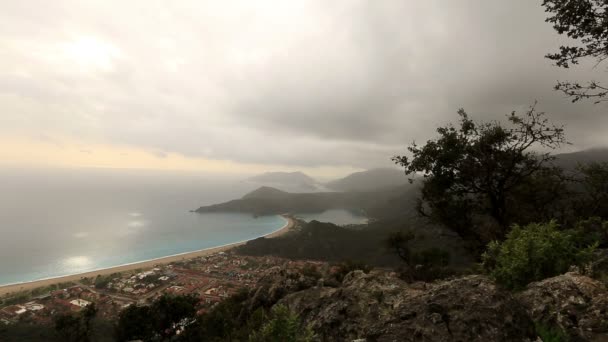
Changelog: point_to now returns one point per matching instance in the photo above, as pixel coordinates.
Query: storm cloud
(300, 83)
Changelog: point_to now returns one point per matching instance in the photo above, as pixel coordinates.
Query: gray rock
(576, 304)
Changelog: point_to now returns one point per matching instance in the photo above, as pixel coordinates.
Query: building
(80, 302)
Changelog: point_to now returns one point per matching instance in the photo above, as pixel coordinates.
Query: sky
(326, 87)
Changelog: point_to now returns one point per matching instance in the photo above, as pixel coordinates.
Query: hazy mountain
(370, 180)
(288, 181)
(266, 192)
(571, 160)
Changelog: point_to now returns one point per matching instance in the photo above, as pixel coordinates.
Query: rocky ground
(381, 307)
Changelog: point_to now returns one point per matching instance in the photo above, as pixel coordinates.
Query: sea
(56, 222)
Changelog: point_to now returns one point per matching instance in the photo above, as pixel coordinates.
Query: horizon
(216, 87)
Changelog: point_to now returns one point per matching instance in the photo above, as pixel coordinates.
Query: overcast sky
(323, 86)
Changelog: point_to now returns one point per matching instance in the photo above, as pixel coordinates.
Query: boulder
(380, 307)
(575, 303)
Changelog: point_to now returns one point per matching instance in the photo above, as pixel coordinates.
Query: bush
(548, 333)
(535, 252)
(283, 326)
(593, 230)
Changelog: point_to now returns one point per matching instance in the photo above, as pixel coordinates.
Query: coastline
(27, 286)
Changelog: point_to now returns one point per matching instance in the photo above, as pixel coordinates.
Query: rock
(577, 304)
(380, 307)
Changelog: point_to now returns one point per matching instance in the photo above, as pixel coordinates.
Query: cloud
(300, 83)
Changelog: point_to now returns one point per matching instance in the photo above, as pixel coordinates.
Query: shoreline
(30, 285)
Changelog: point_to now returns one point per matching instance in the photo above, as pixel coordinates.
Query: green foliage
(398, 242)
(101, 282)
(162, 320)
(227, 321)
(17, 298)
(585, 21)
(594, 180)
(135, 323)
(432, 257)
(283, 326)
(471, 172)
(549, 333)
(22, 332)
(77, 328)
(593, 230)
(535, 252)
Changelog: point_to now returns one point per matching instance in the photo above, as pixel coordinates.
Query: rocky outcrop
(577, 304)
(380, 307)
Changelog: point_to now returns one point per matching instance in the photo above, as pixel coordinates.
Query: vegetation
(587, 22)
(425, 265)
(593, 201)
(167, 316)
(77, 328)
(548, 333)
(473, 172)
(283, 325)
(364, 245)
(535, 252)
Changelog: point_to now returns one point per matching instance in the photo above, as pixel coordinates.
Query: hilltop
(289, 181)
(369, 180)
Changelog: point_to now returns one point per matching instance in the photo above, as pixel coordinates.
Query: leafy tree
(173, 313)
(161, 321)
(594, 179)
(284, 326)
(473, 172)
(135, 323)
(587, 22)
(71, 327)
(535, 252)
(224, 322)
(398, 243)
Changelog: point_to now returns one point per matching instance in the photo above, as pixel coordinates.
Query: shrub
(535, 252)
(593, 230)
(548, 333)
(283, 326)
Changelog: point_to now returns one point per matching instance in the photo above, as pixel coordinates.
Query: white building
(80, 302)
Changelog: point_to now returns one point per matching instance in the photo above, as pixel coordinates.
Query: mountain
(269, 201)
(370, 180)
(571, 160)
(289, 181)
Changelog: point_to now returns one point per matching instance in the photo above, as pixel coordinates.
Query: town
(210, 278)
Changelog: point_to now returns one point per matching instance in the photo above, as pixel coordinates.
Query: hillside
(571, 160)
(370, 180)
(365, 243)
(271, 201)
(287, 181)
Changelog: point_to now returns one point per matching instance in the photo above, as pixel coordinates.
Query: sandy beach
(7, 289)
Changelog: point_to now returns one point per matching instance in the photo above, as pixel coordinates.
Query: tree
(162, 320)
(587, 22)
(134, 323)
(594, 180)
(76, 327)
(398, 243)
(472, 172)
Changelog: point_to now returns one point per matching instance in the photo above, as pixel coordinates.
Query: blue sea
(56, 222)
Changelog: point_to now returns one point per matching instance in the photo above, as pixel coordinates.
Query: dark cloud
(305, 83)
